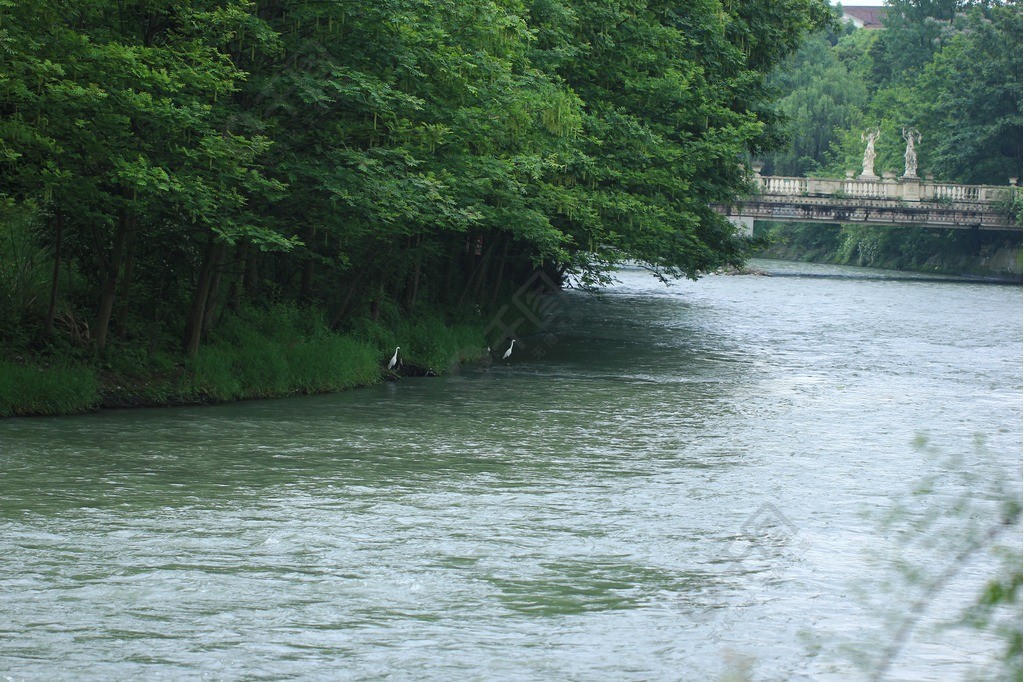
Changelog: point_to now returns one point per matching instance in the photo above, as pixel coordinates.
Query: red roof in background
(870, 16)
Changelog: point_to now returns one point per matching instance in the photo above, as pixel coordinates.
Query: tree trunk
(375, 305)
(336, 319)
(500, 275)
(413, 284)
(449, 274)
(252, 270)
(55, 281)
(126, 280)
(482, 277)
(306, 280)
(197, 311)
(211, 298)
(109, 292)
(154, 326)
(234, 297)
(475, 275)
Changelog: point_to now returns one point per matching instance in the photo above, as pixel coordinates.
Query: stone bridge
(880, 201)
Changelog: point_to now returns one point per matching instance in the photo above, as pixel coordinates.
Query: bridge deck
(907, 201)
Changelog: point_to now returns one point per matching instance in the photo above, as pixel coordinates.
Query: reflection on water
(671, 482)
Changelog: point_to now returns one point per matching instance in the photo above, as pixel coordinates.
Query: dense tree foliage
(970, 95)
(822, 96)
(952, 69)
(162, 163)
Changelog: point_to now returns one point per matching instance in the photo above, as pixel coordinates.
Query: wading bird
(394, 359)
(509, 351)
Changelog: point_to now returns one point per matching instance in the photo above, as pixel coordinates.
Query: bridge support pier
(744, 225)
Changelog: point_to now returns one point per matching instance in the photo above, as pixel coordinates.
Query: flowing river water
(745, 477)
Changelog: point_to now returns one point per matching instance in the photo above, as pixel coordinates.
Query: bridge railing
(885, 188)
(869, 189)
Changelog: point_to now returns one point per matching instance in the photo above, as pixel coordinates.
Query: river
(743, 477)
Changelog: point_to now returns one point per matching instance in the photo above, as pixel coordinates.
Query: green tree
(111, 118)
(674, 94)
(914, 30)
(822, 98)
(970, 97)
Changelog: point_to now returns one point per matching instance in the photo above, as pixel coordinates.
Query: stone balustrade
(903, 189)
(887, 200)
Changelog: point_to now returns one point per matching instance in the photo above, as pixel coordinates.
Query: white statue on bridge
(869, 153)
(911, 136)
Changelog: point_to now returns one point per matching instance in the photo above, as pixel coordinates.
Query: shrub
(25, 270)
(214, 375)
(261, 366)
(63, 389)
(469, 339)
(428, 343)
(332, 363)
(375, 334)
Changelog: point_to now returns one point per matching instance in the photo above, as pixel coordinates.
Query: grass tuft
(332, 363)
(280, 351)
(62, 389)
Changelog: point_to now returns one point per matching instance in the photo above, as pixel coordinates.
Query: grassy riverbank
(952, 252)
(255, 353)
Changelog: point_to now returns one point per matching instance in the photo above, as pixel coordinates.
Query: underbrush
(59, 389)
(254, 353)
(955, 252)
(427, 343)
(281, 350)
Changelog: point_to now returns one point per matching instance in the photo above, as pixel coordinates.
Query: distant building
(864, 17)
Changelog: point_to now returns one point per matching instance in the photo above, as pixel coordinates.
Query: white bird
(509, 351)
(394, 358)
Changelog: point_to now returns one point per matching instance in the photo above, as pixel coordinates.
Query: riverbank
(994, 255)
(257, 353)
